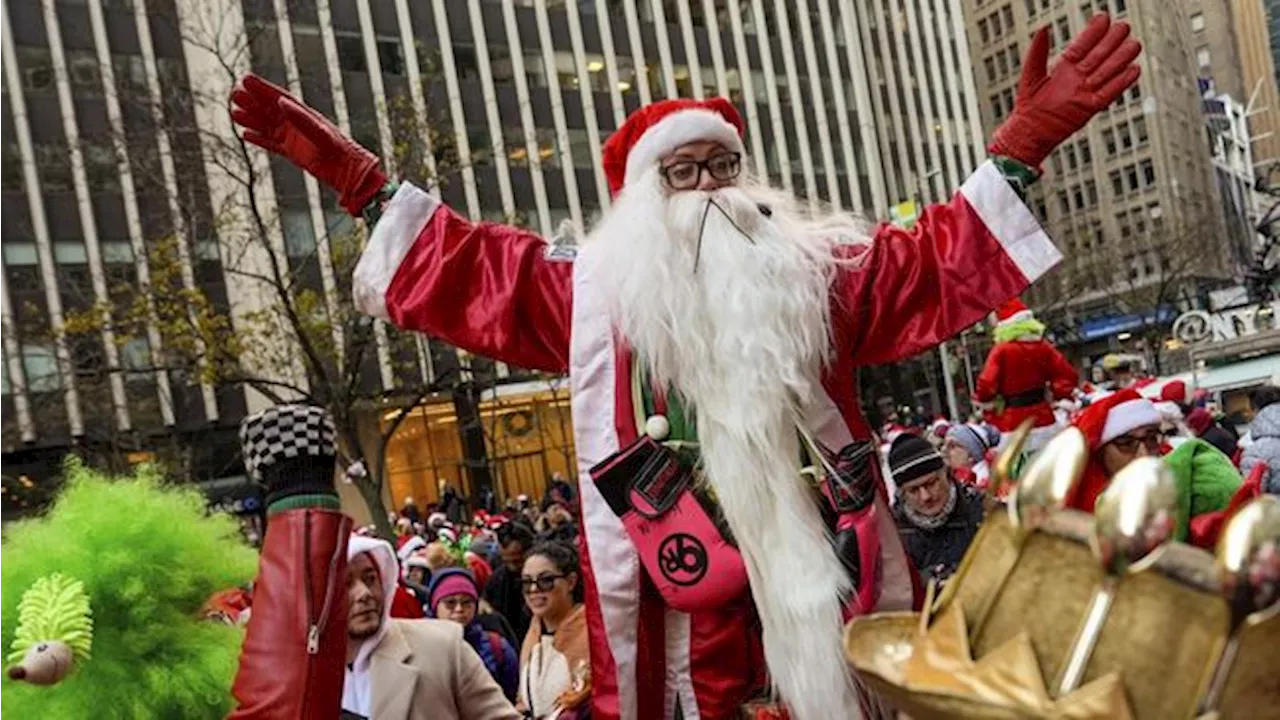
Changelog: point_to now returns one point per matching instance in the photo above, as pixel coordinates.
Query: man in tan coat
(407, 669)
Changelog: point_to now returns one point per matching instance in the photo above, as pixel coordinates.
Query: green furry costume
(148, 556)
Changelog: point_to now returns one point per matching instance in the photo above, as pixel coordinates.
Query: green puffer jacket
(1206, 481)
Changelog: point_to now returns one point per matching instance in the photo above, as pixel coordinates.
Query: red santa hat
(653, 131)
(1115, 415)
(1103, 421)
(1174, 391)
(1013, 311)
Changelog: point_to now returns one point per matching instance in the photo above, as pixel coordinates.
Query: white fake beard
(741, 329)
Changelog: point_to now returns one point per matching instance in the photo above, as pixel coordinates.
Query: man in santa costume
(1024, 374)
(711, 328)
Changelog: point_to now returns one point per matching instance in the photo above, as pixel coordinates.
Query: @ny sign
(1199, 326)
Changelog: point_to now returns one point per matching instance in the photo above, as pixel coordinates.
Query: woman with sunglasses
(555, 666)
(1125, 426)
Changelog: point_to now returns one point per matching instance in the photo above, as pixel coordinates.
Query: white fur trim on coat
(679, 128)
(403, 220)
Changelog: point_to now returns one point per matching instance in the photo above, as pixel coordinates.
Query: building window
(117, 252)
(1063, 206)
(135, 357)
(1126, 138)
(18, 254)
(1148, 173)
(1140, 130)
(1091, 193)
(351, 53)
(1064, 31)
(983, 34)
(1077, 198)
(1086, 155)
(1007, 15)
(990, 64)
(299, 236)
(1109, 140)
(1117, 186)
(207, 250)
(390, 57)
(1197, 22)
(1072, 161)
(1202, 57)
(70, 252)
(1131, 177)
(40, 365)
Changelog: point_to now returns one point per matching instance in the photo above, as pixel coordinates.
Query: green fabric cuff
(1019, 175)
(373, 211)
(298, 502)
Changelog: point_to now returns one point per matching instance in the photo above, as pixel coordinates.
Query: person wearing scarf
(937, 517)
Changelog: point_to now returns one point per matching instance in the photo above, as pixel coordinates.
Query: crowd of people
(510, 579)
(730, 508)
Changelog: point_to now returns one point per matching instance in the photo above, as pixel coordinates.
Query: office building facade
(109, 104)
(1123, 197)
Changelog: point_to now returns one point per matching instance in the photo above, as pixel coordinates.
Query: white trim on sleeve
(408, 212)
(1010, 221)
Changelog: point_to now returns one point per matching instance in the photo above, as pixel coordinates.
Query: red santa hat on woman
(654, 131)
(1103, 421)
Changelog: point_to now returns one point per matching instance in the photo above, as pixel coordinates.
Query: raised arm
(488, 288)
(911, 289)
(484, 287)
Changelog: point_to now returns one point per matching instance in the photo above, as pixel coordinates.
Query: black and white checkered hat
(282, 432)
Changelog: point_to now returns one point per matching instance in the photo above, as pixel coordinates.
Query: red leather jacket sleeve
(291, 664)
(485, 287)
(911, 289)
(987, 386)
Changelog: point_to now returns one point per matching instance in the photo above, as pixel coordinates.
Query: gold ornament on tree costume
(998, 641)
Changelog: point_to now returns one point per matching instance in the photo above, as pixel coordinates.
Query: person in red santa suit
(1024, 374)
(711, 327)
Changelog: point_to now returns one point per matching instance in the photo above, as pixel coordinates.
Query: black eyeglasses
(543, 582)
(686, 174)
(1129, 443)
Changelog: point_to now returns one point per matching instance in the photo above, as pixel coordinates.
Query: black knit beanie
(911, 457)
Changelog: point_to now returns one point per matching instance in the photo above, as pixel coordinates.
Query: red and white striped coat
(493, 290)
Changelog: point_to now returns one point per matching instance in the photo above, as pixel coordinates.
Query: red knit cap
(653, 131)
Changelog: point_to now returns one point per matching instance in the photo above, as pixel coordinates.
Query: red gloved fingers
(1035, 66)
(1088, 38)
(1105, 47)
(266, 93)
(1114, 65)
(1118, 84)
(251, 120)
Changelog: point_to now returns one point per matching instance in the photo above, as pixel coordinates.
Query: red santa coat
(496, 291)
(1020, 367)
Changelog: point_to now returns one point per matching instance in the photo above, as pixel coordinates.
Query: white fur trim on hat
(1018, 317)
(1127, 416)
(679, 128)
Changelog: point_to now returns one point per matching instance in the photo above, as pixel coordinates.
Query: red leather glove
(1051, 106)
(280, 123)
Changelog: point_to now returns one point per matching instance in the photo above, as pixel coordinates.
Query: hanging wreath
(518, 423)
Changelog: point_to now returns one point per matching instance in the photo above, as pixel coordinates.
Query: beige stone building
(1258, 72)
(1131, 200)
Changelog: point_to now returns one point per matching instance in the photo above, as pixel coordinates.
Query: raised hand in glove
(280, 123)
(1052, 105)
